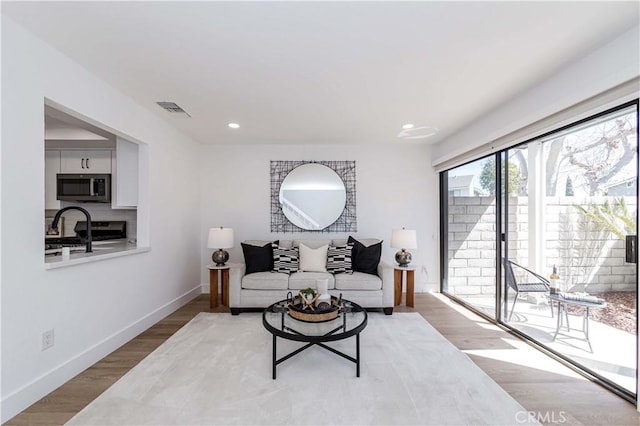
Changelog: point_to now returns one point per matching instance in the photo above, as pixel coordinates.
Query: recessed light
(421, 132)
(407, 126)
(234, 125)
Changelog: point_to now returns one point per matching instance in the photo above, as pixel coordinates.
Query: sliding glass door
(470, 266)
(574, 212)
(565, 249)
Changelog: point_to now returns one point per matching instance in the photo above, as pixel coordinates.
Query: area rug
(217, 370)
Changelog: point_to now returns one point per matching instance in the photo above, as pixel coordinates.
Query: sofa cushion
(366, 241)
(358, 281)
(281, 243)
(313, 259)
(366, 258)
(257, 258)
(301, 280)
(265, 281)
(339, 259)
(285, 259)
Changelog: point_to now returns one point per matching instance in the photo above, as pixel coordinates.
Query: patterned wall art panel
(347, 172)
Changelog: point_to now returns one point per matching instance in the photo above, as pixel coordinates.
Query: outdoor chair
(523, 281)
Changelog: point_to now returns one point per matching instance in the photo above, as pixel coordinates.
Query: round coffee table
(352, 319)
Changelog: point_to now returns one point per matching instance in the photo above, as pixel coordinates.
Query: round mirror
(312, 196)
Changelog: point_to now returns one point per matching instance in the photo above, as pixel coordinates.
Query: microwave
(83, 187)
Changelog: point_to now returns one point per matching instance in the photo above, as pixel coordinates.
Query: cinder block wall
(586, 255)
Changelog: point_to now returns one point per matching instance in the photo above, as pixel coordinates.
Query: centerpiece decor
(308, 296)
(302, 307)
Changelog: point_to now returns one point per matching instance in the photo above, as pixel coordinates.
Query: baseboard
(205, 288)
(21, 399)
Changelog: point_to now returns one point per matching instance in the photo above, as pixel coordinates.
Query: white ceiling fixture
(234, 125)
(407, 126)
(324, 72)
(421, 132)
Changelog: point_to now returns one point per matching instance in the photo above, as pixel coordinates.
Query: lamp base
(403, 258)
(219, 257)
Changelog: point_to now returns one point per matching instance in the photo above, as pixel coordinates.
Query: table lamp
(220, 238)
(404, 239)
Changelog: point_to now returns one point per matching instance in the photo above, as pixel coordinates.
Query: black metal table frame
(290, 334)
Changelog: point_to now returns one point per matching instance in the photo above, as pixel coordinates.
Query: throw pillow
(339, 259)
(257, 258)
(313, 260)
(365, 259)
(284, 259)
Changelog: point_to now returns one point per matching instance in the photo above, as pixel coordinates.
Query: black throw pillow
(365, 259)
(257, 258)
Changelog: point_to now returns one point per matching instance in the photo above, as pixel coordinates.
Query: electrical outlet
(47, 339)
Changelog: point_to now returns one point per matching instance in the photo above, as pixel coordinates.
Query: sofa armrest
(385, 272)
(235, 284)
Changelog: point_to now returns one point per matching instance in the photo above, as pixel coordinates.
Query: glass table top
(351, 320)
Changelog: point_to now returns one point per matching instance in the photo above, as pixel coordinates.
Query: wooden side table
(397, 282)
(214, 272)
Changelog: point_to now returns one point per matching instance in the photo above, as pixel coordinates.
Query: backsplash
(98, 211)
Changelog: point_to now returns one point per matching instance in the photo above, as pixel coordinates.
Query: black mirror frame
(347, 172)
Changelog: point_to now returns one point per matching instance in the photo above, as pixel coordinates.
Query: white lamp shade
(220, 238)
(404, 239)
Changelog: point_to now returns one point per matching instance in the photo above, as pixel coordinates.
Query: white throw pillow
(313, 260)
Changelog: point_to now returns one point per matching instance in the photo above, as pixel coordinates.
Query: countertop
(101, 250)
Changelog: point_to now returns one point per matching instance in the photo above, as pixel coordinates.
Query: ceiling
(323, 72)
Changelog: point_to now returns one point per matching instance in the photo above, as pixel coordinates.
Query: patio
(613, 355)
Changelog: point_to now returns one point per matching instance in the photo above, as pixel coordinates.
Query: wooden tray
(296, 311)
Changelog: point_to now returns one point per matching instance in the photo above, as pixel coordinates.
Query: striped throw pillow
(285, 260)
(339, 259)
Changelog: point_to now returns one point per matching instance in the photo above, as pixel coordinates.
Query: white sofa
(260, 289)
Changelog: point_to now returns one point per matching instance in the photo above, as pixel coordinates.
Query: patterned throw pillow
(339, 259)
(285, 259)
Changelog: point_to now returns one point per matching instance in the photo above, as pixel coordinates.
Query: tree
(599, 152)
(517, 156)
(554, 159)
(607, 152)
(614, 218)
(568, 189)
(488, 177)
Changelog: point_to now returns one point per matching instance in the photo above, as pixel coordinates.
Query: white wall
(395, 187)
(93, 307)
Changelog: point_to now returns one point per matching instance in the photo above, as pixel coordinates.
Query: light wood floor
(553, 393)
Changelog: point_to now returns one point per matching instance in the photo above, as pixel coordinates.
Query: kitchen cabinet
(125, 175)
(51, 168)
(90, 161)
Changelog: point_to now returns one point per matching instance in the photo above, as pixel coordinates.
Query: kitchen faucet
(56, 219)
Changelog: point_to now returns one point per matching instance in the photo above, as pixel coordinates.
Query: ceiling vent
(173, 108)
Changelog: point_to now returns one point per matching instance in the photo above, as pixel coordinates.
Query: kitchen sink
(75, 250)
(105, 243)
